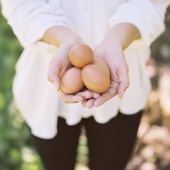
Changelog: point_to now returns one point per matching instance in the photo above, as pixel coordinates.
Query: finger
(86, 94)
(54, 79)
(122, 89)
(123, 75)
(90, 103)
(105, 97)
(83, 103)
(70, 98)
(96, 95)
(89, 94)
(124, 84)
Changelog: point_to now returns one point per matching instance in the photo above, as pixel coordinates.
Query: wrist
(111, 44)
(122, 35)
(59, 36)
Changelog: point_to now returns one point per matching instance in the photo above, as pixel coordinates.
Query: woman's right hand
(59, 64)
(65, 39)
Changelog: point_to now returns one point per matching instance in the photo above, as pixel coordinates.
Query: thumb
(55, 80)
(122, 88)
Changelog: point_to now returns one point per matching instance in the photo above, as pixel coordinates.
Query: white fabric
(35, 97)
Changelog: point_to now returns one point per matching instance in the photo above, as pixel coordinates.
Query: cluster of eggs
(86, 72)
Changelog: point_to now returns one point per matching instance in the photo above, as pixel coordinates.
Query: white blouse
(35, 97)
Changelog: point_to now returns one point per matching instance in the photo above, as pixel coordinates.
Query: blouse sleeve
(30, 19)
(147, 15)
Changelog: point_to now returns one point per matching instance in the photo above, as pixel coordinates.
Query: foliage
(16, 151)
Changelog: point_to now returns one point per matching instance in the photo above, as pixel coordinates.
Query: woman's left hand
(111, 50)
(115, 59)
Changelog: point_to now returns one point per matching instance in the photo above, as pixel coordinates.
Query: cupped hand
(59, 64)
(115, 59)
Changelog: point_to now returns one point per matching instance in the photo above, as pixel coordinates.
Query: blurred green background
(16, 151)
(153, 144)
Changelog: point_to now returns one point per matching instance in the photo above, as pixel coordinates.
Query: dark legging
(110, 144)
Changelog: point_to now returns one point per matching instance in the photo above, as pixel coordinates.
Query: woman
(120, 32)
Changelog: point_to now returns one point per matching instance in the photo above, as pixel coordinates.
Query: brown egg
(96, 77)
(102, 64)
(81, 55)
(72, 81)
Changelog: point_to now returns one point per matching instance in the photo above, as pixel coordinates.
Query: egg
(72, 81)
(102, 64)
(96, 76)
(81, 55)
